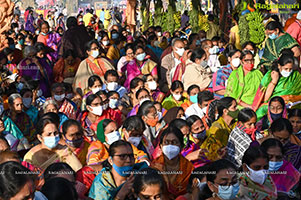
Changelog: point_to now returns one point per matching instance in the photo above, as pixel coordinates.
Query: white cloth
(299, 15)
(214, 63)
(194, 109)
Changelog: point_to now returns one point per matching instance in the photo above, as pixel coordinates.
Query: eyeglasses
(225, 186)
(125, 156)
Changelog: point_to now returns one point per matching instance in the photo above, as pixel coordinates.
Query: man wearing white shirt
(200, 108)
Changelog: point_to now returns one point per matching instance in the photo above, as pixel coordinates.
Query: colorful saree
(243, 87)
(219, 79)
(292, 153)
(88, 68)
(132, 70)
(61, 72)
(288, 173)
(81, 152)
(254, 191)
(178, 186)
(289, 88)
(217, 138)
(169, 102)
(23, 123)
(273, 49)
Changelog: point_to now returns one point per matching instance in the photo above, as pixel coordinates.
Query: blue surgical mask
(273, 36)
(115, 36)
(228, 192)
(141, 56)
(198, 42)
(200, 135)
(123, 171)
(275, 116)
(20, 86)
(274, 166)
(44, 33)
(194, 98)
(51, 141)
(21, 42)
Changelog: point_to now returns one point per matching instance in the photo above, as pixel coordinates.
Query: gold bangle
(273, 83)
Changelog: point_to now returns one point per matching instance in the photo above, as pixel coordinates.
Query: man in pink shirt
(295, 29)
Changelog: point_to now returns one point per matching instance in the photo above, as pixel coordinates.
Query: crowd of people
(96, 111)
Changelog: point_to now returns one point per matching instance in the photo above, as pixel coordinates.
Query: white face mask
(152, 85)
(59, 97)
(113, 103)
(285, 73)
(214, 50)
(143, 100)
(134, 140)
(180, 51)
(201, 185)
(204, 110)
(95, 90)
(159, 115)
(113, 137)
(106, 43)
(95, 53)
(257, 176)
(183, 117)
(105, 106)
(235, 62)
(27, 102)
(96, 110)
(171, 151)
(159, 34)
(177, 96)
(112, 86)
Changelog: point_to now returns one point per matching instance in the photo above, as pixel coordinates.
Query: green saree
(273, 49)
(288, 88)
(242, 87)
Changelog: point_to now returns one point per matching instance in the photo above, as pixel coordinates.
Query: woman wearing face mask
(295, 118)
(282, 130)
(29, 109)
(171, 143)
(124, 60)
(16, 120)
(50, 151)
(149, 185)
(276, 109)
(73, 137)
(250, 46)
(176, 98)
(148, 113)
(221, 76)
(222, 181)
(281, 81)
(142, 95)
(65, 68)
(242, 136)
(115, 180)
(104, 41)
(107, 133)
(95, 84)
(191, 150)
(276, 42)
(92, 65)
(90, 117)
(152, 86)
(49, 39)
(218, 134)
(288, 176)
(243, 82)
(141, 65)
(153, 44)
(32, 66)
(255, 182)
(195, 72)
(192, 92)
